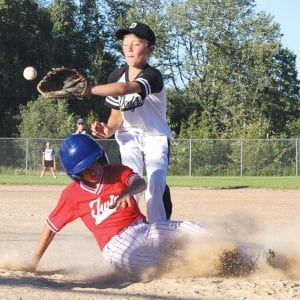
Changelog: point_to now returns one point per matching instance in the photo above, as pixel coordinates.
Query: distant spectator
(80, 126)
(48, 160)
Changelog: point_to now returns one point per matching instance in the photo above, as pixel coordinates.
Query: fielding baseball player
(102, 196)
(48, 160)
(137, 96)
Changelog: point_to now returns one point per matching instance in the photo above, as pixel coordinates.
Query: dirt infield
(73, 268)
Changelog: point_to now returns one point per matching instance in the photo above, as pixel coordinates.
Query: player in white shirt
(48, 160)
(137, 96)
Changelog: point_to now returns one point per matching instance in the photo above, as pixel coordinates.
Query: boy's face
(92, 174)
(80, 125)
(136, 50)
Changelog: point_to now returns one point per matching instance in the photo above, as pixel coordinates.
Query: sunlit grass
(292, 182)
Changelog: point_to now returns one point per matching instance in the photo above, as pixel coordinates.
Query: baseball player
(136, 94)
(101, 195)
(48, 160)
(80, 126)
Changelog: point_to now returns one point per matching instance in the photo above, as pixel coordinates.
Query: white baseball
(29, 73)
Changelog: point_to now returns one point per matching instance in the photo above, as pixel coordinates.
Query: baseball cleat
(266, 257)
(269, 257)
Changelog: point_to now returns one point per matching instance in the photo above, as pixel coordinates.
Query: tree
(78, 35)
(281, 102)
(42, 118)
(24, 40)
(226, 57)
(224, 64)
(180, 109)
(63, 16)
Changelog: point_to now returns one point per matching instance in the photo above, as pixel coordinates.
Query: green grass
(284, 182)
(34, 179)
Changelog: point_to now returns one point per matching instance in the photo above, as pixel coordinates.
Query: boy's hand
(121, 202)
(100, 130)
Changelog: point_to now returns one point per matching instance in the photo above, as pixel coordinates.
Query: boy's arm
(116, 89)
(136, 185)
(103, 130)
(46, 238)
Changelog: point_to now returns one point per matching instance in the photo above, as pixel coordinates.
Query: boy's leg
(131, 154)
(141, 245)
(156, 150)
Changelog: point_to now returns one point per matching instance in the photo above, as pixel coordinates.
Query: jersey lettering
(100, 211)
(132, 103)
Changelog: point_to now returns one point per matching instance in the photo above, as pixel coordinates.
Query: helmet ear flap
(75, 177)
(103, 160)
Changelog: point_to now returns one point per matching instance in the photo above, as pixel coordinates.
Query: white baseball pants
(141, 245)
(141, 151)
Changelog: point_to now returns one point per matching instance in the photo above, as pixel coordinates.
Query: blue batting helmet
(78, 152)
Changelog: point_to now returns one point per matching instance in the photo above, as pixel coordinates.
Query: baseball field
(73, 268)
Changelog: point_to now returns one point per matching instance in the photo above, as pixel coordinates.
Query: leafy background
(227, 72)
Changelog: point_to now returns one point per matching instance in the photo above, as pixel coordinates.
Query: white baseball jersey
(48, 154)
(144, 135)
(144, 112)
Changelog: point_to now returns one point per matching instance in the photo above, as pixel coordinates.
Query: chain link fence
(188, 157)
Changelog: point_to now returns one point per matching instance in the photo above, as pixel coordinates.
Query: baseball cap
(141, 30)
(80, 121)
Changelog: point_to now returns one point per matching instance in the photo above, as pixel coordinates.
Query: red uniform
(92, 205)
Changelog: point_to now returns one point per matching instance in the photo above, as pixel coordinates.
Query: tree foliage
(24, 37)
(47, 119)
(230, 60)
(79, 43)
(46, 34)
(227, 72)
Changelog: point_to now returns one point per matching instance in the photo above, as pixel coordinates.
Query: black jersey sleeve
(151, 81)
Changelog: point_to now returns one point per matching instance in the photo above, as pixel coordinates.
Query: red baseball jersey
(92, 205)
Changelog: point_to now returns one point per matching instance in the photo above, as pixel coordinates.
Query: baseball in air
(29, 73)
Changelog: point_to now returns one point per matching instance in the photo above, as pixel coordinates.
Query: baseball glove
(63, 83)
